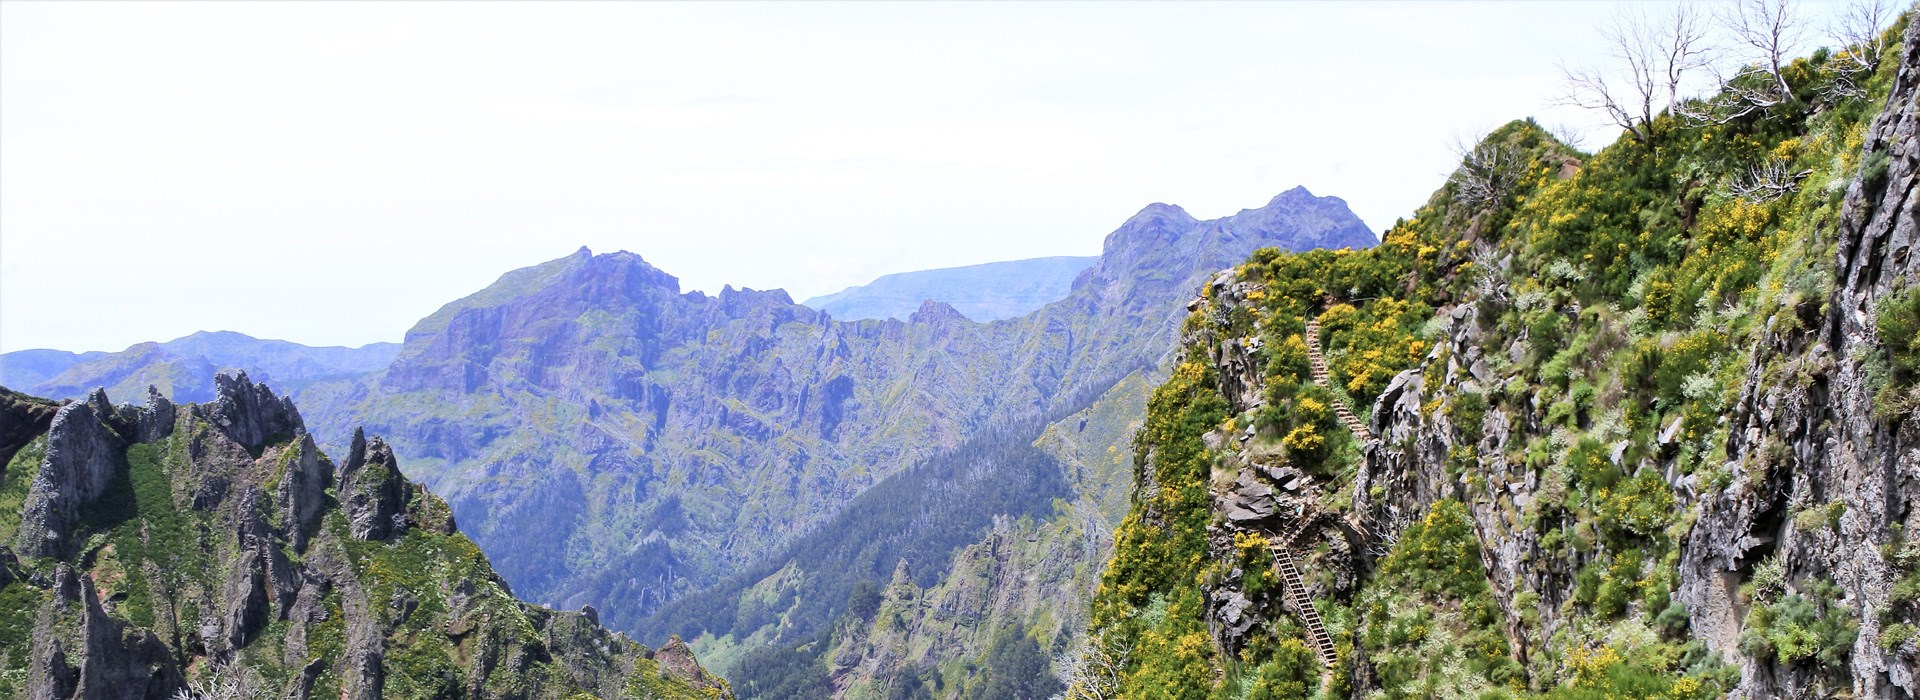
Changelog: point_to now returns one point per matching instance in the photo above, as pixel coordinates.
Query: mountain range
(621, 442)
(1632, 423)
(672, 443)
(183, 368)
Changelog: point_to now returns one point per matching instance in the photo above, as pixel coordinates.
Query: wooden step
(1309, 615)
(1318, 363)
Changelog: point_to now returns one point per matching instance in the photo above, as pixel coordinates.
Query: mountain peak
(1297, 195)
(931, 311)
(1160, 211)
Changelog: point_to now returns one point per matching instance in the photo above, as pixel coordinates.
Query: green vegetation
(13, 490)
(922, 515)
(1155, 557)
(1429, 622)
(1617, 299)
(1016, 669)
(1898, 325)
(782, 672)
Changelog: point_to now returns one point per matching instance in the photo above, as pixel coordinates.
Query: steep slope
(986, 292)
(1628, 428)
(667, 438)
(213, 546)
(183, 368)
(945, 617)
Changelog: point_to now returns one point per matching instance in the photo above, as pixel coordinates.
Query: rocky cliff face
(666, 437)
(214, 547)
(1621, 432)
(1806, 435)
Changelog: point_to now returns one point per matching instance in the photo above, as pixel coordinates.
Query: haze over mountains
(666, 437)
(183, 368)
(985, 292)
(610, 440)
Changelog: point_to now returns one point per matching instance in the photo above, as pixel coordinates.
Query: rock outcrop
(1818, 440)
(373, 491)
(249, 414)
(22, 418)
(168, 550)
(83, 452)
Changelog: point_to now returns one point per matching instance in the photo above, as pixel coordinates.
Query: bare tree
(1860, 42)
(1569, 136)
(1654, 57)
(1860, 33)
(1766, 34)
(1770, 33)
(1487, 173)
(228, 683)
(1093, 671)
(1490, 263)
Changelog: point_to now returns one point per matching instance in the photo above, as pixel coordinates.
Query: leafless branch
(1487, 173)
(1739, 96)
(230, 682)
(1490, 284)
(1569, 136)
(1766, 182)
(1860, 34)
(1860, 41)
(1653, 59)
(1093, 671)
(1770, 33)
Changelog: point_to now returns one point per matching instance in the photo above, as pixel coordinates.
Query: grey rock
(154, 421)
(302, 496)
(83, 455)
(250, 414)
(1837, 448)
(81, 653)
(374, 494)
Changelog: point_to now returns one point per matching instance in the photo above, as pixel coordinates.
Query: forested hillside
(1635, 423)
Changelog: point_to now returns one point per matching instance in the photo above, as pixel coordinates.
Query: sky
(329, 173)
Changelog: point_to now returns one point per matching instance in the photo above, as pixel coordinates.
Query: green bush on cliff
(1428, 618)
(1898, 326)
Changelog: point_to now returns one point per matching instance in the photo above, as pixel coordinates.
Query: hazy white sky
(329, 173)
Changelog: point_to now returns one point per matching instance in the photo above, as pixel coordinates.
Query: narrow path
(1319, 364)
(1282, 546)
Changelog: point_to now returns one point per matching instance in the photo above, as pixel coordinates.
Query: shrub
(1898, 325)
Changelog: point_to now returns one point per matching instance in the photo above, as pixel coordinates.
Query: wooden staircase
(1309, 616)
(1318, 362)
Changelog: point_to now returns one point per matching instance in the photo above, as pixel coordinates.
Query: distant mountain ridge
(618, 442)
(28, 368)
(183, 368)
(984, 292)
